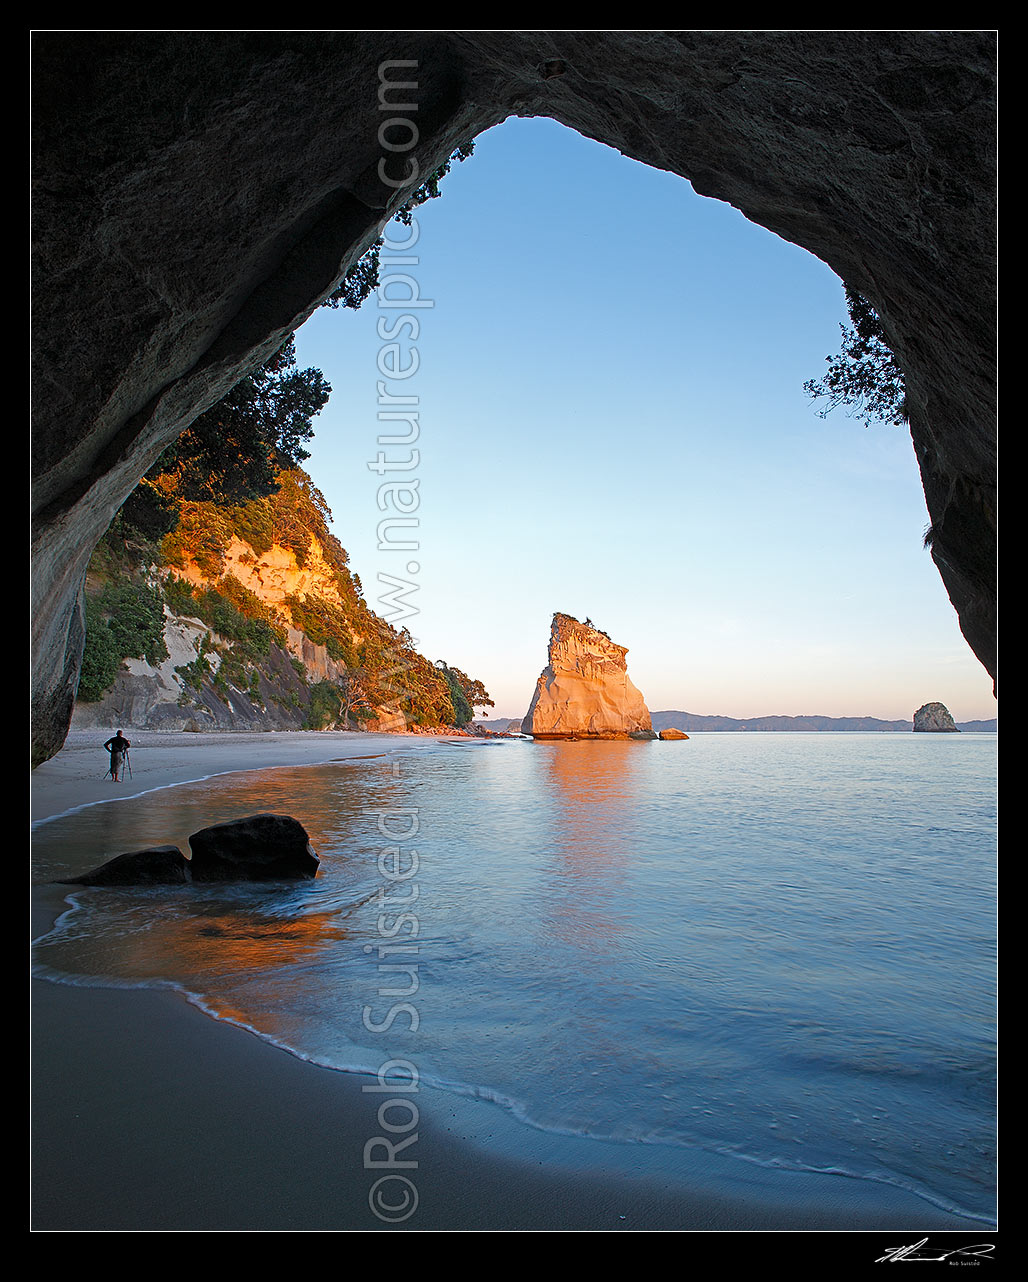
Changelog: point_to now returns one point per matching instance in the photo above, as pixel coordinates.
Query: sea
(776, 948)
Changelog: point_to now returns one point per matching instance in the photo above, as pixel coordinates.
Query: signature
(914, 1251)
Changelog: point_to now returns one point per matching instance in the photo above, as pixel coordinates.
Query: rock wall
(197, 194)
(158, 697)
(584, 692)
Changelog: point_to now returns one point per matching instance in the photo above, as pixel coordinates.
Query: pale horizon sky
(612, 423)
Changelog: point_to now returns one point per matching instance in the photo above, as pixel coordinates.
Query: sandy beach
(149, 1115)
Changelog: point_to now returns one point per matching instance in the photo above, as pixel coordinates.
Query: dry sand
(148, 1115)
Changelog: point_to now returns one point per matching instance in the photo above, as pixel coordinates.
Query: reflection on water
(591, 787)
(731, 943)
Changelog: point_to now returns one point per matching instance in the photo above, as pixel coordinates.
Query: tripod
(126, 761)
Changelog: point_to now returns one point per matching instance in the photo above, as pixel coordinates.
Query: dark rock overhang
(197, 194)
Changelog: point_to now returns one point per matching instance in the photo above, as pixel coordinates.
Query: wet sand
(149, 1115)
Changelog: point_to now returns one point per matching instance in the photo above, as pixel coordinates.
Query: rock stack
(584, 692)
(934, 718)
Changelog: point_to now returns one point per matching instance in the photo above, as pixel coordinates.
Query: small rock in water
(934, 718)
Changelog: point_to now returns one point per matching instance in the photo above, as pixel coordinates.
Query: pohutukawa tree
(865, 375)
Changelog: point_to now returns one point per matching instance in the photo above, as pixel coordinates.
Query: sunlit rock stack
(584, 692)
(934, 718)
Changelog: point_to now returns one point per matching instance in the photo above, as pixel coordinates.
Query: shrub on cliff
(230, 610)
(100, 658)
(124, 621)
(362, 279)
(864, 375)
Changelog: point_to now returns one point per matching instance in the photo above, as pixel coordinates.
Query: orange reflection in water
(228, 940)
(589, 784)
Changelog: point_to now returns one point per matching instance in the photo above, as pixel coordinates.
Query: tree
(466, 693)
(234, 451)
(362, 280)
(149, 512)
(865, 374)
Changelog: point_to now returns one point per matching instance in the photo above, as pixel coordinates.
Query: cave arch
(196, 195)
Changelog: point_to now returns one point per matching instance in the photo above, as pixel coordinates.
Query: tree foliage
(362, 280)
(124, 621)
(234, 451)
(864, 376)
(101, 661)
(466, 693)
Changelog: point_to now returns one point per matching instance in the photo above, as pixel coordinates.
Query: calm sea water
(779, 947)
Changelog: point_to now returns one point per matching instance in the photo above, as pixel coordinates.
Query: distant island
(692, 722)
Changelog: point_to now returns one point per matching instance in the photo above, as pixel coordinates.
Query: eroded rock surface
(584, 692)
(197, 194)
(934, 718)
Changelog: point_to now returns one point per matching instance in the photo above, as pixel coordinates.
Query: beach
(149, 1115)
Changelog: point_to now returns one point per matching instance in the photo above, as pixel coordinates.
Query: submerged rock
(934, 718)
(260, 847)
(671, 733)
(155, 866)
(584, 692)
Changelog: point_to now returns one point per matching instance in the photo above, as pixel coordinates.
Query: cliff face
(264, 629)
(584, 692)
(199, 687)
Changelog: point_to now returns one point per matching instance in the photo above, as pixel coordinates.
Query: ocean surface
(775, 947)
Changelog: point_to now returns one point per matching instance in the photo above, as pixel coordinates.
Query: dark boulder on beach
(261, 847)
(155, 866)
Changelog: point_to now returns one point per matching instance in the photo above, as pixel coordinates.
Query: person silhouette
(117, 747)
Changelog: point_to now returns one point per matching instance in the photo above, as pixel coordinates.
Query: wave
(519, 1109)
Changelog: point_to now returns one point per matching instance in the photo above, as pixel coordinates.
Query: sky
(607, 375)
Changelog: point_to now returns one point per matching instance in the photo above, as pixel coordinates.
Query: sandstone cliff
(264, 628)
(584, 692)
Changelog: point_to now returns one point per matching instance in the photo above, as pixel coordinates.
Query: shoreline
(150, 1115)
(75, 777)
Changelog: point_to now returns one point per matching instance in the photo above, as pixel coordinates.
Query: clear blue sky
(612, 421)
